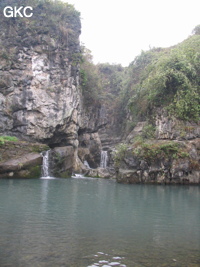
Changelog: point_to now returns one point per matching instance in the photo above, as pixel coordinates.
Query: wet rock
(26, 166)
(90, 148)
(128, 176)
(101, 173)
(62, 161)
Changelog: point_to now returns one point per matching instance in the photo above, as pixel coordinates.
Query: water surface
(95, 222)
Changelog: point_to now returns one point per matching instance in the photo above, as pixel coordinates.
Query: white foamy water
(104, 159)
(45, 165)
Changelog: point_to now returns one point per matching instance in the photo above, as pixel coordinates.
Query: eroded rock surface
(21, 159)
(40, 95)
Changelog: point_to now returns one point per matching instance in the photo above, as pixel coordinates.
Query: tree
(196, 30)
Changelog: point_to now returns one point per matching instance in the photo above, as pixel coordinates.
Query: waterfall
(104, 159)
(45, 164)
(86, 164)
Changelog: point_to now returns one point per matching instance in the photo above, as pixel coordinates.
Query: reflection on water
(85, 222)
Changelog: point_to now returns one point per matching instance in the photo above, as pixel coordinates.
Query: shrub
(148, 131)
(119, 153)
(3, 139)
(155, 151)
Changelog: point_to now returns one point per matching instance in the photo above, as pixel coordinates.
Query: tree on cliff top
(89, 79)
(196, 30)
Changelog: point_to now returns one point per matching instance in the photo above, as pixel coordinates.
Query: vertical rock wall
(39, 94)
(40, 97)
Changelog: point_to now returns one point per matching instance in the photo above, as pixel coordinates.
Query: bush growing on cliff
(150, 152)
(89, 79)
(155, 151)
(119, 153)
(3, 139)
(148, 131)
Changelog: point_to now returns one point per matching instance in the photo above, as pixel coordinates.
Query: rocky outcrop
(137, 131)
(90, 149)
(21, 160)
(63, 161)
(101, 173)
(26, 166)
(160, 162)
(163, 150)
(174, 129)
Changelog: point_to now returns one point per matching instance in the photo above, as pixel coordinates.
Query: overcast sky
(116, 31)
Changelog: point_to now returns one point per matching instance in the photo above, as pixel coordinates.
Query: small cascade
(104, 159)
(45, 164)
(86, 164)
(77, 175)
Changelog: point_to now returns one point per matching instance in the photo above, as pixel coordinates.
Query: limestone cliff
(40, 97)
(39, 93)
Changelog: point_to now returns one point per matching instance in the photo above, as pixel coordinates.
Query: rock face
(90, 149)
(163, 150)
(101, 173)
(21, 159)
(137, 131)
(173, 129)
(162, 161)
(22, 167)
(40, 96)
(62, 161)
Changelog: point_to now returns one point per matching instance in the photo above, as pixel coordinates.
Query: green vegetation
(149, 151)
(167, 78)
(28, 173)
(4, 139)
(66, 174)
(38, 148)
(119, 153)
(89, 79)
(155, 151)
(196, 30)
(4, 55)
(56, 19)
(34, 172)
(161, 78)
(148, 131)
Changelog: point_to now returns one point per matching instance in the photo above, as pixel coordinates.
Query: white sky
(116, 31)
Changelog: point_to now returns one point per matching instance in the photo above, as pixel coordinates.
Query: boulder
(62, 161)
(26, 166)
(100, 173)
